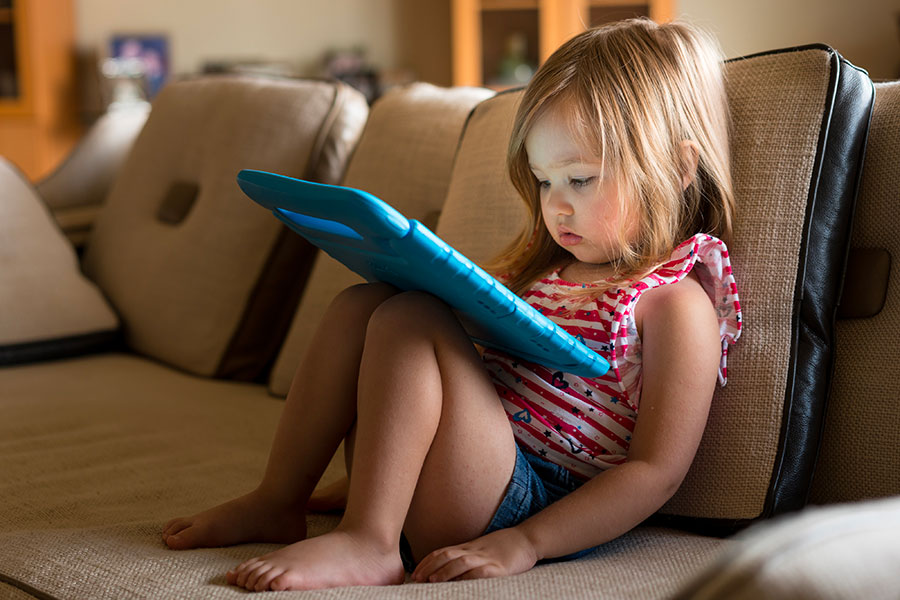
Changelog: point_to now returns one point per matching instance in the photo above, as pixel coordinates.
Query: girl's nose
(558, 203)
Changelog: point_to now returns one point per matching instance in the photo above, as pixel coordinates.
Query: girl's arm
(681, 353)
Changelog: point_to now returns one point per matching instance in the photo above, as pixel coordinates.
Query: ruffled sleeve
(708, 257)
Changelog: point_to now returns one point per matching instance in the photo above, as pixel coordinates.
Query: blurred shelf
(491, 37)
(38, 108)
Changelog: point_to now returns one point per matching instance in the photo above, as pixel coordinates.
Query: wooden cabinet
(38, 98)
(492, 38)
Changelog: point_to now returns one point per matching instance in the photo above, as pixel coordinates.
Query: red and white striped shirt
(585, 424)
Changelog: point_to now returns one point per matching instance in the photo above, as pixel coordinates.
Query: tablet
(380, 244)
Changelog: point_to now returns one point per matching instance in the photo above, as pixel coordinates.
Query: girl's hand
(502, 552)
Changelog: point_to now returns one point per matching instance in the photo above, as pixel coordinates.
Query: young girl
(480, 466)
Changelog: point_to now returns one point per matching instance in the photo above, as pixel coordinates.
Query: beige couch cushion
(743, 469)
(84, 177)
(49, 308)
(90, 478)
(8, 592)
(834, 553)
(182, 254)
(860, 456)
(75, 190)
(404, 158)
(483, 213)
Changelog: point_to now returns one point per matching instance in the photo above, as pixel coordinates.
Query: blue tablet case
(380, 244)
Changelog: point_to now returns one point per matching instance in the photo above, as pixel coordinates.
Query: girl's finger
(435, 560)
(455, 568)
(429, 565)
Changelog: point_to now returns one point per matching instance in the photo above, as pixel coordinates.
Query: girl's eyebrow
(565, 162)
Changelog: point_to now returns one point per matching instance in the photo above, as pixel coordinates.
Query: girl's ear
(690, 158)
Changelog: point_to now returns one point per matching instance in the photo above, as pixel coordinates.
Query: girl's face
(580, 208)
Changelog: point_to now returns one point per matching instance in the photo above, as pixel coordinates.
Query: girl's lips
(567, 238)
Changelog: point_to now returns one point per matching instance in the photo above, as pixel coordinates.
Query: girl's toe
(280, 583)
(265, 580)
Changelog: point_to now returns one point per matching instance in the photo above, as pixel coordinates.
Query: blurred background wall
(414, 35)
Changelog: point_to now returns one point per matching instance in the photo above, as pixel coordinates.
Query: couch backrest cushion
(796, 114)
(50, 309)
(404, 158)
(860, 456)
(201, 275)
(93, 163)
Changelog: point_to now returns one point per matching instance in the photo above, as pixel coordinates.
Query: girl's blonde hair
(635, 91)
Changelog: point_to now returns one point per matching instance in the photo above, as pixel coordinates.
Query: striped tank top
(585, 424)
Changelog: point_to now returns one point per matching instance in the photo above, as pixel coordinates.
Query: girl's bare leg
(317, 415)
(433, 454)
(331, 498)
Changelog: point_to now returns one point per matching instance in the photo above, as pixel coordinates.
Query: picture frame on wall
(146, 54)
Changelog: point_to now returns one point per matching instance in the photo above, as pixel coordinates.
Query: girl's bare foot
(335, 559)
(250, 518)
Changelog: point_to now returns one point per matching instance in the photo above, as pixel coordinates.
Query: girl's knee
(363, 297)
(409, 310)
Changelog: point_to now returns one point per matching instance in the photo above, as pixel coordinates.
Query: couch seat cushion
(97, 453)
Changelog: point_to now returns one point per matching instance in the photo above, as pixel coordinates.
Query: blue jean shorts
(535, 484)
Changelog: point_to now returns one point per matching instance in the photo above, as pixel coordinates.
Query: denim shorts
(535, 484)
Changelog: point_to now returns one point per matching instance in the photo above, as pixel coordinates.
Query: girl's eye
(544, 185)
(580, 182)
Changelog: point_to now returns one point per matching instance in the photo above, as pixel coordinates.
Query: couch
(142, 376)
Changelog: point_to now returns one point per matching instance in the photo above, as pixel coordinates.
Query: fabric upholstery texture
(182, 289)
(777, 103)
(404, 158)
(834, 553)
(108, 463)
(483, 213)
(256, 344)
(47, 302)
(860, 457)
(85, 176)
(75, 190)
(8, 592)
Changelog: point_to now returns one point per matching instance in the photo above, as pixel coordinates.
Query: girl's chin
(588, 258)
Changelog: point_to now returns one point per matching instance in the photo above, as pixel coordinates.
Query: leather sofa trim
(76, 345)
(826, 244)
